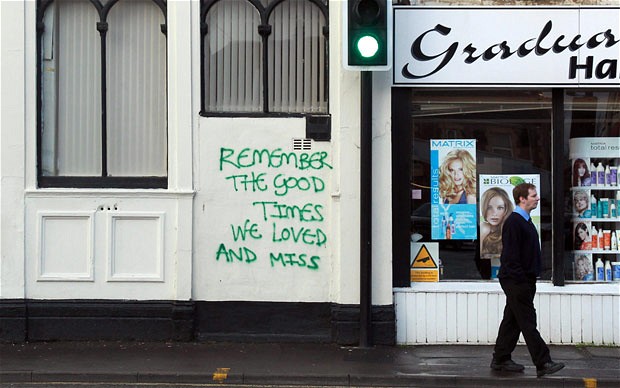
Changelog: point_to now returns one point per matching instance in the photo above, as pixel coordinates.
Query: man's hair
(522, 190)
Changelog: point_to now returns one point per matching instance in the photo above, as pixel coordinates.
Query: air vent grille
(302, 144)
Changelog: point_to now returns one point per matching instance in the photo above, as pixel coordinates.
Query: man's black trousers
(520, 317)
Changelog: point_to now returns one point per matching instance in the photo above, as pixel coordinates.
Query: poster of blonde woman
(496, 204)
(453, 189)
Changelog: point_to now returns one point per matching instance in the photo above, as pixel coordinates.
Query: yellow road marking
(589, 382)
(220, 374)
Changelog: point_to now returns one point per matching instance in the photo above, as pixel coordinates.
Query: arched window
(102, 93)
(264, 56)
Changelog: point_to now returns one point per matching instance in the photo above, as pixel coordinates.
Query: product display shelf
(595, 188)
(598, 220)
(610, 222)
(598, 252)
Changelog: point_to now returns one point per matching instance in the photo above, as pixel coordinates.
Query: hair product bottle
(606, 239)
(594, 238)
(613, 176)
(599, 269)
(452, 225)
(593, 176)
(607, 271)
(600, 175)
(604, 202)
(607, 176)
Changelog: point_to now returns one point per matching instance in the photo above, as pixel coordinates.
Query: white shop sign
(507, 46)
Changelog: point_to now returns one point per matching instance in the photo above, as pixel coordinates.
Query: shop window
(501, 143)
(511, 133)
(102, 93)
(592, 120)
(264, 56)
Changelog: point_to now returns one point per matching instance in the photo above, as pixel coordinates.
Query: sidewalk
(295, 364)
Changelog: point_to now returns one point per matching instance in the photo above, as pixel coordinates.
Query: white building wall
(382, 190)
(177, 232)
(218, 207)
(243, 249)
(12, 147)
(87, 243)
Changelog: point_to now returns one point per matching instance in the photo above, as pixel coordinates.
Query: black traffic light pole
(367, 50)
(366, 210)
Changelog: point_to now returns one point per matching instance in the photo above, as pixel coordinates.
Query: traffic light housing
(367, 34)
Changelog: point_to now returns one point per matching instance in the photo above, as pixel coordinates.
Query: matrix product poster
(594, 147)
(496, 204)
(453, 189)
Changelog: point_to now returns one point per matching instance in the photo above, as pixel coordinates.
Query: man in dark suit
(520, 266)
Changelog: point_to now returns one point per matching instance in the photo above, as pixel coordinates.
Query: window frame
(91, 181)
(401, 191)
(264, 30)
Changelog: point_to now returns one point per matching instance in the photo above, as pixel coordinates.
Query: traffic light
(367, 34)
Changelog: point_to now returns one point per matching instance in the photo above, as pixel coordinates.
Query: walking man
(520, 266)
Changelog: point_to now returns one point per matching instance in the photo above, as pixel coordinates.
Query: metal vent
(302, 144)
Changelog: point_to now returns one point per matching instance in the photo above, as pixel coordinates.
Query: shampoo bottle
(593, 205)
(613, 175)
(607, 271)
(607, 176)
(599, 269)
(613, 211)
(600, 175)
(614, 241)
(593, 176)
(600, 239)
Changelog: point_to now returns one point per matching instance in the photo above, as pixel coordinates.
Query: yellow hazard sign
(423, 259)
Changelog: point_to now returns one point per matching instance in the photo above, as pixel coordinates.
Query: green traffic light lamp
(367, 46)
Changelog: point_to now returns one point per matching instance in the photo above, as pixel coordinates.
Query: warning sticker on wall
(424, 259)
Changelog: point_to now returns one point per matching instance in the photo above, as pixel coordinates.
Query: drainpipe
(557, 180)
(366, 210)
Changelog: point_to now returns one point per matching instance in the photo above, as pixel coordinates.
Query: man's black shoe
(548, 368)
(506, 366)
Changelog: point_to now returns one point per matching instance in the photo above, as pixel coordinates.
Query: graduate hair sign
(479, 46)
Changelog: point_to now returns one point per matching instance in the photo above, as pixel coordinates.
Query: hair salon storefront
(226, 204)
(525, 101)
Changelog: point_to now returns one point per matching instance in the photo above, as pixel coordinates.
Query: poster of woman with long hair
(453, 189)
(496, 204)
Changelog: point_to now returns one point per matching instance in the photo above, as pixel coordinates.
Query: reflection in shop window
(512, 130)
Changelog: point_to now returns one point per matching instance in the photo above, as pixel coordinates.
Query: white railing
(470, 313)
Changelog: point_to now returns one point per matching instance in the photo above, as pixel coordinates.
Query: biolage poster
(453, 189)
(496, 204)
